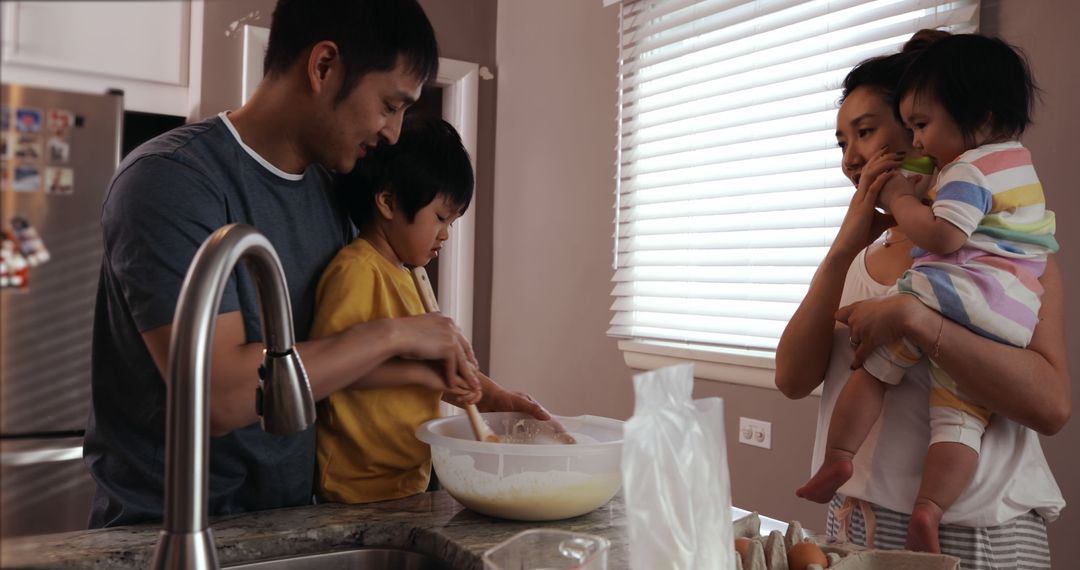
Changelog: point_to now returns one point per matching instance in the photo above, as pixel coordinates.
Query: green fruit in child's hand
(922, 164)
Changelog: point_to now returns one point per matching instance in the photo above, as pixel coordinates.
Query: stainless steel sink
(362, 559)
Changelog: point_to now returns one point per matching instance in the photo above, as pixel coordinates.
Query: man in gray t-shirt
(339, 76)
(165, 198)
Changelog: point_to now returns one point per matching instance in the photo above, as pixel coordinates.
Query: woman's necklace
(887, 243)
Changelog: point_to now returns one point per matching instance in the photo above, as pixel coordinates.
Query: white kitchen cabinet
(144, 48)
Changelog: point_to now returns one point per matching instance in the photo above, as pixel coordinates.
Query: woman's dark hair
(883, 73)
(979, 80)
(371, 35)
(429, 160)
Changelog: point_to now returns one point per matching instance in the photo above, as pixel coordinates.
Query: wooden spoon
(481, 429)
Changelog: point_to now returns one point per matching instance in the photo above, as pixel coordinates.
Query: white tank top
(1013, 476)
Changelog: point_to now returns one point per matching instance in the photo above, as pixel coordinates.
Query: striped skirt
(1018, 544)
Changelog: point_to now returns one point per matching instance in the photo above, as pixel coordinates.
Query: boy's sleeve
(962, 197)
(345, 297)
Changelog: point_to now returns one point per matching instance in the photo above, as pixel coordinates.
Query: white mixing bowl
(541, 480)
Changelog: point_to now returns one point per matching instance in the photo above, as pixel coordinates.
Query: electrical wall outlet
(755, 432)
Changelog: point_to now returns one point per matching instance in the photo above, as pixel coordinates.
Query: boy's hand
(460, 392)
(500, 399)
(461, 397)
(493, 398)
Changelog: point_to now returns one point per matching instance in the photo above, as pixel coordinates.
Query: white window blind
(729, 190)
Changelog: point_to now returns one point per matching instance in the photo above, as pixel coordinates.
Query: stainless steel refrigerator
(60, 151)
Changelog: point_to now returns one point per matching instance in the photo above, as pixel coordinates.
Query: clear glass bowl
(534, 478)
(549, 549)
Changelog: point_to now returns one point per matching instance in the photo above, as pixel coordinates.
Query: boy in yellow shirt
(402, 199)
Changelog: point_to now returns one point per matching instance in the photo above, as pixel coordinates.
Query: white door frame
(459, 81)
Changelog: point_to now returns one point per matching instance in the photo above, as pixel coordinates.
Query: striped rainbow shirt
(991, 284)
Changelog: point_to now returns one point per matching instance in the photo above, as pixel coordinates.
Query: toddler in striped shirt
(981, 246)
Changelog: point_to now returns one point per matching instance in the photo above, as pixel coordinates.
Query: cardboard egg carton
(770, 553)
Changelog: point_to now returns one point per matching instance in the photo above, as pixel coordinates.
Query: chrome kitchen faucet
(283, 398)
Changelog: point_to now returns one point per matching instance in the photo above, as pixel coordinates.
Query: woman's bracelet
(937, 341)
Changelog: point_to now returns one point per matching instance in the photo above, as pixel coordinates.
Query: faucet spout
(283, 397)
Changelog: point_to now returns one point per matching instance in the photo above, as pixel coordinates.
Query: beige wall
(465, 30)
(223, 50)
(552, 235)
(1046, 30)
(553, 195)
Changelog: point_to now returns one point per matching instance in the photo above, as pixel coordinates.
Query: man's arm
(332, 363)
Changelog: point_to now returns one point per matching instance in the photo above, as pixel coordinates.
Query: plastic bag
(675, 476)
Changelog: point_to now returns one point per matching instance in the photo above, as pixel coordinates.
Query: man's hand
(433, 336)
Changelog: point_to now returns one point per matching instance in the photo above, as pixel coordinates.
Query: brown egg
(804, 554)
(742, 546)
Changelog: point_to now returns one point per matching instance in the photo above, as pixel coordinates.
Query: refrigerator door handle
(15, 458)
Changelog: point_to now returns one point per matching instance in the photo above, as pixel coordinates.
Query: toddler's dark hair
(979, 80)
(429, 160)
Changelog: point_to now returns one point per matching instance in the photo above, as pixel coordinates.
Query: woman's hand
(883, 320)
(863, 223)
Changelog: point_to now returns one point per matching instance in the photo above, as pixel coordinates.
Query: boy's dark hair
(370, 35)
(883, 73)
(979, 80)
(429, 160)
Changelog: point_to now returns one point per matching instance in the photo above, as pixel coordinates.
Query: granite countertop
(431, 523)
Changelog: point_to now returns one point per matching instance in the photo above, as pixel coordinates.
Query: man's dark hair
(979, 80)
(883, 73)
(370, 34)
(429, 160)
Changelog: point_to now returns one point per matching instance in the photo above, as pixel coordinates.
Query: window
(729, 190)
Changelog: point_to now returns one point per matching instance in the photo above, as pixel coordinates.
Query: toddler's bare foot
(836, 470)
(922, 533)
